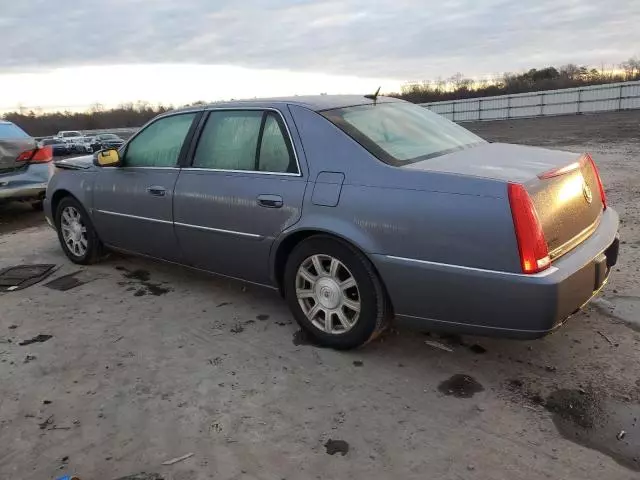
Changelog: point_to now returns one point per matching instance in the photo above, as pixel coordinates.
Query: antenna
(374, 96)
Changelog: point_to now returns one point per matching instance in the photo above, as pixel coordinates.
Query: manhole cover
(23, 276)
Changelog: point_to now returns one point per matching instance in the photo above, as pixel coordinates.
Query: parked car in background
(84, 145)
(69, 136)
(356, 209)
(106, 140)
(24, 166)
(59, 147)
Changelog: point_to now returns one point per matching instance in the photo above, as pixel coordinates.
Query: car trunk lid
(563, 186)
(10, 150)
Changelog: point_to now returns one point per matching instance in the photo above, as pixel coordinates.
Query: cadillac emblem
(586, 191)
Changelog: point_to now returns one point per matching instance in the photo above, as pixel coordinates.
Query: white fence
(596, 98)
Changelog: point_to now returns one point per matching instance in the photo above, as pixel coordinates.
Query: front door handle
(270, 201)
(157, 191)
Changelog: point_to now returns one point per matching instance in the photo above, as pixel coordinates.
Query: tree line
(550, 78)
(39, 124)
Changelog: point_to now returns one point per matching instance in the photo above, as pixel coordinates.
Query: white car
(83, 145)
(70, 136)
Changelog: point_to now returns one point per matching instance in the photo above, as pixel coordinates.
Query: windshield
(9, 130)
(401, 133)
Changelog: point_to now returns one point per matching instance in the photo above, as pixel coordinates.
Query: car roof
(312, 102)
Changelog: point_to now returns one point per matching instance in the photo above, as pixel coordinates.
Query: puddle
(479, 349)
(593, 422)
(142, 277)
(302, 338)
(460, 386)
(37, 339)
(139, 274)
(262, 317)
(336, 446)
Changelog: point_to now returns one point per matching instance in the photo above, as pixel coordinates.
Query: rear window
(401, 133)
(9, 130)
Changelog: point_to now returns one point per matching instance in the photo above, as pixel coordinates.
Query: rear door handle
(270, 201)
(157, 191)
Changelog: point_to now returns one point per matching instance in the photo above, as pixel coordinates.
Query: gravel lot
(148, 362)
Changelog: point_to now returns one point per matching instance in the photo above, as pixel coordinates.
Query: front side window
(160, 143)
(401, 133)
(251, 140)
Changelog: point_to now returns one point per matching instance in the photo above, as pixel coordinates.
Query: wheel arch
(289, 240)
(57, 197)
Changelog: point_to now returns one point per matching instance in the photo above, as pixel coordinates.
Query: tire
(368, 292)
(94, 247)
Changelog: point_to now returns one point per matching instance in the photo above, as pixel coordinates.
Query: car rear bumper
(27, 184)
(486, 302)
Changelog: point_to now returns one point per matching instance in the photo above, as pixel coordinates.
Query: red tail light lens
(533, 248)
(37, 155)
(603, 195)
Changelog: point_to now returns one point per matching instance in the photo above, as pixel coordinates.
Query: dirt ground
(148, 362)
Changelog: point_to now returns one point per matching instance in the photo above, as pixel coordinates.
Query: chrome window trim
(149, 168)
(218, 230)
(262, 109)
(135, 217)
(204, 170)
(542, 274)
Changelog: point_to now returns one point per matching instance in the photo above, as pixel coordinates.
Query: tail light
(603, 195)
(37, 155)
(533, 248)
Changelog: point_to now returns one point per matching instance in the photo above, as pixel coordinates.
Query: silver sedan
(356, 209)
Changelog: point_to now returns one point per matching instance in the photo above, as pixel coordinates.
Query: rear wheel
(77, 236)
(334, 293)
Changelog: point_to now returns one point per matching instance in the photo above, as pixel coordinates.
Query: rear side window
(9, 130)
(401, 133)
(160, 143)
(245, 140)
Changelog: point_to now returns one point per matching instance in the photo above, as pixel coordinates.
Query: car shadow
(16, 216)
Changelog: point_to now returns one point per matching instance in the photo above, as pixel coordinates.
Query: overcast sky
(390, 39)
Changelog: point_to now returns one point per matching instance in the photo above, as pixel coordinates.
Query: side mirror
(107, 158)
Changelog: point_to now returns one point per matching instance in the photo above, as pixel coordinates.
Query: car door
(133, 203)
(244, 186)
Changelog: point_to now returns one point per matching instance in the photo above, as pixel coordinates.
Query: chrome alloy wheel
(328, 294)
(74, 231)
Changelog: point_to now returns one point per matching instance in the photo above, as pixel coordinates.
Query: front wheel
(334, 293)
(77, 236)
